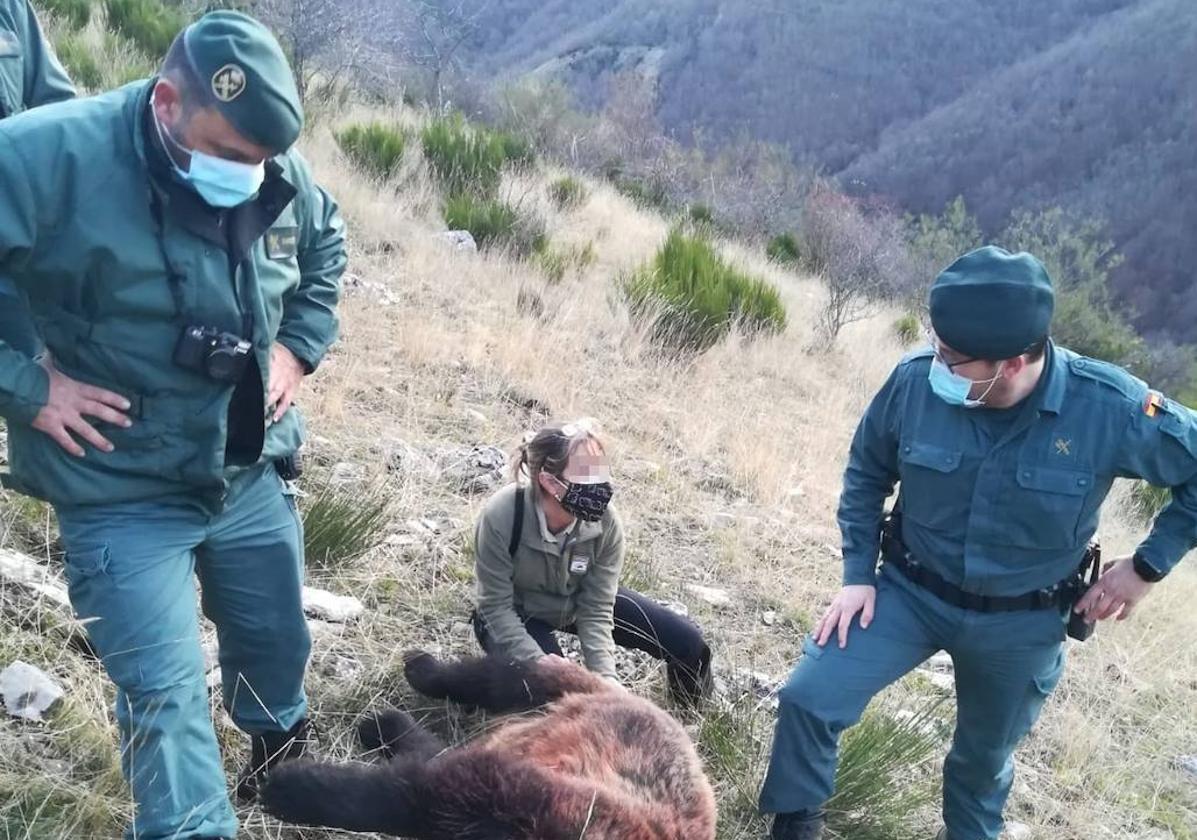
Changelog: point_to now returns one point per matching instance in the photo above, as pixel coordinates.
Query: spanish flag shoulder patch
(1154, 403)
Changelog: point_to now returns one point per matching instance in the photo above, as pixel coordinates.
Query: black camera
(216, 354)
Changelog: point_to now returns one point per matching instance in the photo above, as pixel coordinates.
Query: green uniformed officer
(30, 75)
(1004, 447)
(184, 270)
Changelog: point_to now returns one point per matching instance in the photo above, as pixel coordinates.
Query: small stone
(344, 472)
(431, 525)
(402, 540)
(28, 692)
(1188, 764)
(476, 416)
(769, 618)
(712, 595)
(461, 241)
(723, 521)
(944, 682)
(319, 603)
(941, 661)
(796, 492)
(1017, 831)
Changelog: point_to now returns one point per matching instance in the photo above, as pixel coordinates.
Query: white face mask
(221, 183)
(954, 389)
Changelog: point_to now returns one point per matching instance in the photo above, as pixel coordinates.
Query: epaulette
(1122, 381)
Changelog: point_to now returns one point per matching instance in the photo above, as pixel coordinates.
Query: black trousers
(642, 624)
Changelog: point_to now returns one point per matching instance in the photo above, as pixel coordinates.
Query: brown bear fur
(597, 763)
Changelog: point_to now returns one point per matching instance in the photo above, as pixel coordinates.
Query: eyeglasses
(933, 340)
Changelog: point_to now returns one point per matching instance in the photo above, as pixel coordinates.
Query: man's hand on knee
(838, 618)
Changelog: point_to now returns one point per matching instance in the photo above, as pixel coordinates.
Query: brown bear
(597, 763)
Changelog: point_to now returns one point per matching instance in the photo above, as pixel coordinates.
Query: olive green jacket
(114, 269)
(30, 74)
(538, 583)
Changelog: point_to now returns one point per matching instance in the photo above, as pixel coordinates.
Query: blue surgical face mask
(219, 182)
(954, 389)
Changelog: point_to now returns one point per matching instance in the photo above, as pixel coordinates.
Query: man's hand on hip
(850, 601)
(69, 403)
(1116, 592)
(286, 375)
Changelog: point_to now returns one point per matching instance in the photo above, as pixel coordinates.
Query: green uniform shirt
(114, 263)
(543, 579)
(1006, 506)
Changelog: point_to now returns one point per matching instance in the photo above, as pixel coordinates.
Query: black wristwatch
(1145, 570)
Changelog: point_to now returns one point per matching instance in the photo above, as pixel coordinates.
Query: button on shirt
(1004, 502)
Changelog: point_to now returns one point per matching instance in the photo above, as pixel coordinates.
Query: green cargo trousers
(1006, 665)
(131, 569)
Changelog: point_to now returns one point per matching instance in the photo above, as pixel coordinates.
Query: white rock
(431, 525)
(944, 682)
(461, 241)
(29, 574)
(713, 596)
(796, 492)
(402, 540)
(723, 520)
(319, 603)
(941, 661)
(769, 618)
(476, 416)
(1188, 763)
(28, 692)
(346, 473)
(1017, 831)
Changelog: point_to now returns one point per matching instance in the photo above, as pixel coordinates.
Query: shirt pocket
(1043, 509)
(930, 488)
(12, 74)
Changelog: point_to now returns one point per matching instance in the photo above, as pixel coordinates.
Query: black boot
(269, 750)
(690, 682)
(803, 825)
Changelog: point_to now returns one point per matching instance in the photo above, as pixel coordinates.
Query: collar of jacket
(1050, 394)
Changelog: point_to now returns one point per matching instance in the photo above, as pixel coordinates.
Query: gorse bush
(375, 149)
(147, 23)
(340, 523)
(80, 61)
(567, 193)
(701, 215)
(908, 329)
(557, 263)
(783, 249)
(651, 196)
(694, 297)
(74, 13)
(494, 223)
(470, 159)
(880, 780)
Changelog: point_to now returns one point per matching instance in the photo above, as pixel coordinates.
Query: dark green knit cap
(991, 304)
(243, 73)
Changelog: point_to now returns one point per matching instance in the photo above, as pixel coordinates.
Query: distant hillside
(1085, 103)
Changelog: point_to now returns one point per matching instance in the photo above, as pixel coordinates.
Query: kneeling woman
(549, 555)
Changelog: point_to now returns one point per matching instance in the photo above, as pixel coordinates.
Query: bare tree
(322, 38)
(433, 33)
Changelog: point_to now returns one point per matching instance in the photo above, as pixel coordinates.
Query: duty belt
(1060, 595)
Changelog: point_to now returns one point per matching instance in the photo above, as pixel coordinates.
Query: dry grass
(435, 353)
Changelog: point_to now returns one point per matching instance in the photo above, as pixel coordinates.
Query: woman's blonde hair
(550, 448)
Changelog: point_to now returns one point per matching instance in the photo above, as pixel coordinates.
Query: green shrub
(147, 23)
(465, 159)
(340, 523)
(1146, 500)
(701, 215)
(878, 783)
(783, 249)
(567, 193)
(557, 263)
(517, 152)
(694, 297)
(375, 149)
(494, 223)
(80, 61)
(74, 13)
(651, 196)
(908, 329)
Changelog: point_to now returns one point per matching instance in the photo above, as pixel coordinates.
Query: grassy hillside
(728, 467)
(1015, 105)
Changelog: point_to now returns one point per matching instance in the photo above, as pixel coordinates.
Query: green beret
(245, 75)
(991, 304)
